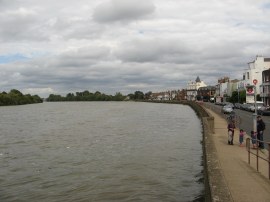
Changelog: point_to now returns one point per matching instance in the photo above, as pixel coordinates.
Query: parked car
(251, 106)
(245, 106)
(259, 105)
(237, 105)
(227, 109)
(264, 110)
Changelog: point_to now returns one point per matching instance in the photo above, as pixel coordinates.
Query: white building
(192, 88)
(232, 86)
(254, 71)
(222, 89)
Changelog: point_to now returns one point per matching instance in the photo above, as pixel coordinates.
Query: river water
(100, 151)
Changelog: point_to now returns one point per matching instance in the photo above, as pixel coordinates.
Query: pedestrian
(241, 137)
(231, 127)
(260, 130)
(253, 139)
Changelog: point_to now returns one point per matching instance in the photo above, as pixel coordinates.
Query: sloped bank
(216, 188)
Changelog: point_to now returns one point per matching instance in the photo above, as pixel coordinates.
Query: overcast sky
(127, 45)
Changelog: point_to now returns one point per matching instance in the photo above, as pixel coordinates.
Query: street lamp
(255, 112)
(251, 89)
(255, 81)
(238, 94)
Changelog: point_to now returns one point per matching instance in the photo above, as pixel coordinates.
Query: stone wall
(216, 188)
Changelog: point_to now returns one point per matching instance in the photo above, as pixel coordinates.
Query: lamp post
(238, 94)
(251, 92)
(255, 81)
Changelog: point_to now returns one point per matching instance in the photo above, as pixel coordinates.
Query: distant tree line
(138, 95)
(15, 97)
(86, 96)
(97, 96)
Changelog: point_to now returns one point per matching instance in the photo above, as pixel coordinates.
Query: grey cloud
(123, 10)
(155, 50)
(20, 24)
(6, 4)
(86, 54)
(82, 30)
(125, 45)
(108, 77)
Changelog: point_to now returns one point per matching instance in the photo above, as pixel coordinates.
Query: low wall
(215, 184)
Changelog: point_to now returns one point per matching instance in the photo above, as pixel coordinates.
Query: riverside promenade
(230, 176)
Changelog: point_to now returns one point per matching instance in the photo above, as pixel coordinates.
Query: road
(244, 120)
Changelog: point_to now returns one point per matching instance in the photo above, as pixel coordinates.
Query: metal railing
(256, 153)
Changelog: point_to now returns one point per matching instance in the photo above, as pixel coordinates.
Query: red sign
(250, 89)
(255, 81)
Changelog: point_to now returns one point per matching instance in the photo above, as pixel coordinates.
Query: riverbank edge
(216, 188)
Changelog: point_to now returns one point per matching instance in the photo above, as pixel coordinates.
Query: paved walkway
(244, 182)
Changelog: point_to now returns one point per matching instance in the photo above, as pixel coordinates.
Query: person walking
(260, 130)
(231, 127)
(241, 137)
(253, 139)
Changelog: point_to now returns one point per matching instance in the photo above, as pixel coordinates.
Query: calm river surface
(100, 151)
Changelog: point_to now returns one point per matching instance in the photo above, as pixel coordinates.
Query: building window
(247, 75)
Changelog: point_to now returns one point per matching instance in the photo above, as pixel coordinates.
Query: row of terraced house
(257, 72)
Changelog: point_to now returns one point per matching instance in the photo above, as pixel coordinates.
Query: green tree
(234, 97)
(5, 99)
(86, 96)
(138, 95)
(131, 96)
(242, 96)
(37, 99)
(15, 97)
(238, 97)
(55, 98)
(70, 97)
(118, 97)
(15, 92)
(97, 93)
(85, 93)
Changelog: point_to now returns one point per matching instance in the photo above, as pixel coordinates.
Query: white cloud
(39, 91)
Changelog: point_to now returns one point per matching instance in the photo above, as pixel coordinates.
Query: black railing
(257, 152)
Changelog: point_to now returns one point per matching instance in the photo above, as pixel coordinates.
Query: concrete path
(244, 182)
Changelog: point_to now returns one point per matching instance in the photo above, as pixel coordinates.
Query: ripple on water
(108, 151)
